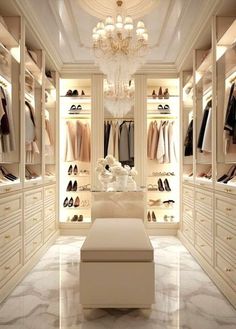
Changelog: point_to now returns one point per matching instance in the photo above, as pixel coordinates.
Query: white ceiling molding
(103, 8)
(33, 22)
(210, 9)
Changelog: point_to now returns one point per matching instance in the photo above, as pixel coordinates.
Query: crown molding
(33, 23)
(209, 10)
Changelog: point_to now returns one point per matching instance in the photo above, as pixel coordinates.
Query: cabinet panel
(10, 265)
(10, 233)
(33, 197)
(9, 205)
(205, 247)
(32, 245)
(49, 230)
(227, 208)
(49, 211)
(33, 219)
(49, 192)
(226, 268)
(203, 199)
(203, 222)
(188, 231)
(226, 235)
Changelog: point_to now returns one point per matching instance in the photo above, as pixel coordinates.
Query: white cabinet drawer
(32, 245)
(10, 265)
(226, 207)
(10, 233)
(49, 230)
(204, 199)
(226, 268)
(205, 247)
(203, 222)
(32, 219)
(226, 235)
(10, 205)
(49, 192)
(188, 231)
(33, 197)
(49, 211)
(188, 211)
(188, 195)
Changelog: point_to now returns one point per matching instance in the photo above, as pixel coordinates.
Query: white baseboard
(223, 286)
(12, 283)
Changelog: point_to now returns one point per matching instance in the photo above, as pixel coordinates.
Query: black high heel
(69, 186)
(153, 217)
(70, 170)
(160, 185)
(65, 203)
(74, 188)
(167, 186)
(149, 216)
(70, 203)
(75, 170)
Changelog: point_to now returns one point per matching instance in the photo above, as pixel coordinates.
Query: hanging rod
(119, 118)
(77, 118)
(160, 118)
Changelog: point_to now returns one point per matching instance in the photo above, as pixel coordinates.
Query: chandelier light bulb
(119, 22)
(128, 23)
(145, 35)
(109, 24)
(140, 28)
(100, 29)
(95, 34)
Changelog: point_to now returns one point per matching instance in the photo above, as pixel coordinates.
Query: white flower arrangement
(110, 165)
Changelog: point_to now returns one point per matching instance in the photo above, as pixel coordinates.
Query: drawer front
(11, 188)
(49, 192)
(10, 266)
(33, 198)
(203, 222)
(33, 245)
(10, 205)
(203, 199)
(188, 195)
(188, 231)
(10, 233)
(49, 230)
(226, 207)
(226, 235)
(205, 247)
(188, 211)
(33, 219)
(49, 211)
(226, 268)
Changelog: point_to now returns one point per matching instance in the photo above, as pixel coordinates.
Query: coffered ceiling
(65, 26)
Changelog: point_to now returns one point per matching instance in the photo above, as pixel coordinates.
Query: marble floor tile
(48, 297)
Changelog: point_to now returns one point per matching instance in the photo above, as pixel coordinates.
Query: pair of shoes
(77, 218)
(71, 202)
(84, 172)
(75, 170)
(154, 203)
(161, 188)
(74, 93)
(72, 187)
(170, 217)
(151, 217)
(163, 109)
(168, 203)
(86, 187)
(227, 177)
(8, 175)
(152, 187)
(75, 110)
(29, 174)
(165, 94)
(163, 173)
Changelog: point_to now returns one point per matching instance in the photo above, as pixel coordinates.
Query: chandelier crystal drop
(119, 49)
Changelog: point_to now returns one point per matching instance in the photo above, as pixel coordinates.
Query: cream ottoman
(117, 267)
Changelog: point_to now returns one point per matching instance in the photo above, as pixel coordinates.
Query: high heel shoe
(69, 186)
(77, 202)
(75, 170)
(149, 216)
(70, 203)
(226, 180)
(65, 203)
(160, 185)
(154, 95)
(160, 95)
(229, 173)
(74, 188)
(166, 94)
(153, 217)
(70, 170)
(167, 186)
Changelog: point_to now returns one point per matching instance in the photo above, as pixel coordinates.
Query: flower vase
(105, 179)
(121, 182)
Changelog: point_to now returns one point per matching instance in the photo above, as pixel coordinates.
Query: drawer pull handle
(7, 189)
(7, 268)
(228, 190)
(202, 198)
(35, 198)
(228, 269)
(229, 238)
(202, 245)
(35, 219)
(202, 220)
(7, 208)
(7, 236)
(228, 209)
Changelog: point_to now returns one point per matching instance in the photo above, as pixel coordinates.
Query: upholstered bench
(117, 267)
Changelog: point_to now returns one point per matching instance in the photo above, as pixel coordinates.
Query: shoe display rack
(75, 171)
(28, 198)
(162, 152)
(208, 209)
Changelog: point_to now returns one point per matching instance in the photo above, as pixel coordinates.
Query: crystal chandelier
(119, 50)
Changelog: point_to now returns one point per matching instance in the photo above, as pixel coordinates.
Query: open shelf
(6, 37)
(33, 68)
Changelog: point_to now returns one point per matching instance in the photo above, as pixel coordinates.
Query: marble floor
(48, 297)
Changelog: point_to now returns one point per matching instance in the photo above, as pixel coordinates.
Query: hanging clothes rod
(118, 118)
(77, 118)
(157, 117)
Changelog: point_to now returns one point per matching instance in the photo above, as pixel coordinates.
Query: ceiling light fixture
(119, 49)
